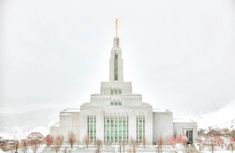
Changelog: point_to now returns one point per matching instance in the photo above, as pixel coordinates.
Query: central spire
(116, 39)
(116, 62)
(116, 27)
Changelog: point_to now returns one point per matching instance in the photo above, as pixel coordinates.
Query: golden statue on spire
(116, 26)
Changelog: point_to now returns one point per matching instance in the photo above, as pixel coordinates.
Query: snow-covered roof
(65, 114)
(71, 110)
(183, 120)
(40, 129)
(160, 110)
(33, 135)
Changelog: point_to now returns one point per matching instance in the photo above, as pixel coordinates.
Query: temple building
(117, 114)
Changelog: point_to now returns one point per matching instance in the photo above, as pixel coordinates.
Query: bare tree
(172, 141)
(86, 140)
(232, 145)
(123, 142)
(16, 146)
(212, 144)
(4, 146)
(49, 140)
(232, 139)
(98, 145)
(181, 139)
(34, 145)
(144, 142)
(159, 143)
(24, 144)
(58, 142)
(71, 139)
(213, 141)
(133, 144)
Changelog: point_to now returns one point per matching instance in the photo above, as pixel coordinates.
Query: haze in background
(178, 54)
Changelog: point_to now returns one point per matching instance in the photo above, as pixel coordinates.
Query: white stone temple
(117, 115)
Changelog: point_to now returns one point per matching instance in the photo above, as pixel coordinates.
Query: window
(140, 128)
(115, 103)
(115, 131)
(91, 128)
(116, 91)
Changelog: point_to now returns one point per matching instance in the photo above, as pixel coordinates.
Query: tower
(116, 61)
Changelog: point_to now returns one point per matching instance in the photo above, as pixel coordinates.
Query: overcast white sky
(178, 54)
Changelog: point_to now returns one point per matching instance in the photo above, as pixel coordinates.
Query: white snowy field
(116, 149)
(218, 151)
(29, 150)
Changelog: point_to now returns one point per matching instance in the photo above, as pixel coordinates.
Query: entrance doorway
(189, 136)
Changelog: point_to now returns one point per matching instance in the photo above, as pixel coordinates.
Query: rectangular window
(115, 129)
(115, 102)
(140, 128)
(91, 128)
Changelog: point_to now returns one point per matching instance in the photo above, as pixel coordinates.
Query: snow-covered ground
(29, 150)
(219, 151)
(116, 149)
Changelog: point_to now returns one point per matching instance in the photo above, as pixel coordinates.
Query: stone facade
(162, 124)
(185, 127)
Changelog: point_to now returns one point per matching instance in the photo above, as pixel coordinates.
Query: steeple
(116, 27)
(116, 62)
(116, 39)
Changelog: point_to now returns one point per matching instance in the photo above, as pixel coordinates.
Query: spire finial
(116, 26)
